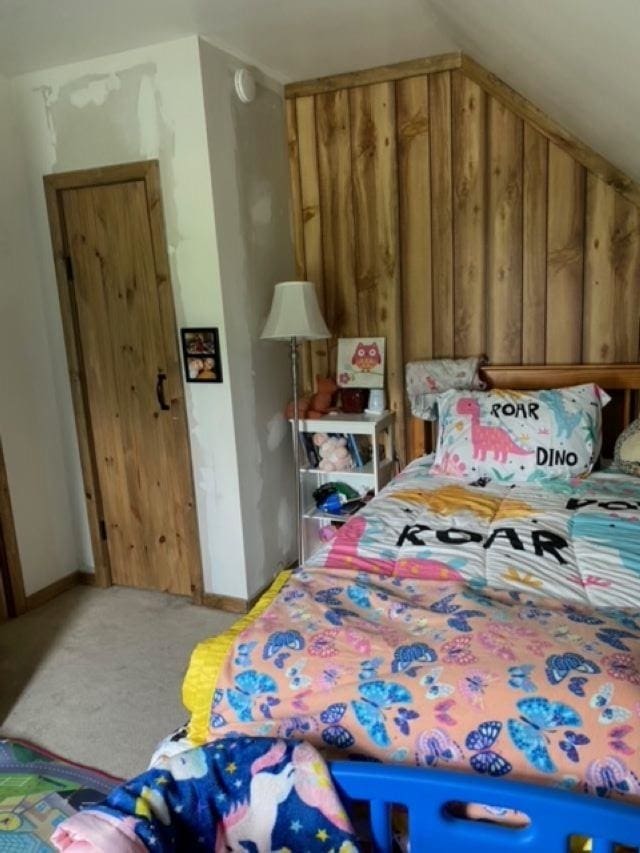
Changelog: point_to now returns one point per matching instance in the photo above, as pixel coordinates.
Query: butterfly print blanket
(440, 654)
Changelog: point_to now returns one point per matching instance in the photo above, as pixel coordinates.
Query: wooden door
(132, 391)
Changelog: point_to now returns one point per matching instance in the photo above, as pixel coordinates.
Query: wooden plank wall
(454, 221)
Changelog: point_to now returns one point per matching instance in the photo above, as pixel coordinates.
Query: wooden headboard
(621, 381)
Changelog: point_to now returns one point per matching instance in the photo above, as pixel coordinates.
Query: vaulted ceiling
(579, 60)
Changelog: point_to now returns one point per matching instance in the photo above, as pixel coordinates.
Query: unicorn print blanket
(241, 793)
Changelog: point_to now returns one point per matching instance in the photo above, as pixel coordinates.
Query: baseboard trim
(265, 586)
(228, 603)
(231, 604)
(47, 593)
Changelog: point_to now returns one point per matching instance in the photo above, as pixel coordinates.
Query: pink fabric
(90, 832)
(439, 674)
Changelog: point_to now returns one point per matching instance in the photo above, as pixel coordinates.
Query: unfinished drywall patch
(45, 506)
(249, 174)
(111, 118)
(95, 118)
(276, 432)
(143, 104)
(262, 176)
(96, 90)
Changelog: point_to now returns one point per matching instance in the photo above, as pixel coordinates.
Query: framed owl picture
(360, 363)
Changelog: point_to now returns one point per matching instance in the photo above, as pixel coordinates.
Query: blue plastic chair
(555, 815)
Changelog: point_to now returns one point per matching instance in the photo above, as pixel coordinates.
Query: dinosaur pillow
(517, 436)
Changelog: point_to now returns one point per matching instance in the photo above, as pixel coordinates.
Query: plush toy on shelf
(322, 401)
(303, 409)
(316, 405)
(333, 452)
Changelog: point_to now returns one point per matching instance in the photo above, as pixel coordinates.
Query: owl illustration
(366, 357)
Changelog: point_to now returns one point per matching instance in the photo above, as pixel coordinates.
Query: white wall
(247, 150)
(142, 104)
(35, 427)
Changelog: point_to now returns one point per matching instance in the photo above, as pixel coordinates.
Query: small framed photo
(360, 363)
(201, 353)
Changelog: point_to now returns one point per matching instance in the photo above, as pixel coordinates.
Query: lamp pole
(295, 316)
(296, 445)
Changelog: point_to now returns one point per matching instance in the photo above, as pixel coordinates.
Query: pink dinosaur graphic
(345, 548)
(488, 439)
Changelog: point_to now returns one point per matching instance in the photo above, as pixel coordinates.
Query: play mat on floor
(38, 790)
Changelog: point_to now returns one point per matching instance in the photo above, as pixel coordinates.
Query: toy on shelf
(319, 404)
(303, 408)
(338, 499)
(333, 452)
(322, 401)
(369, 449)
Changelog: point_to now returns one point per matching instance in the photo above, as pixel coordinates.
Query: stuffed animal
(322, 400)
(303, 409)
(333, 452)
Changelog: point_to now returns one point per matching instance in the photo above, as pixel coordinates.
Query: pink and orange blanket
(452, 624)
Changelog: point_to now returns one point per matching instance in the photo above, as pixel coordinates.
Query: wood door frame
(147, 171)
(17, 603)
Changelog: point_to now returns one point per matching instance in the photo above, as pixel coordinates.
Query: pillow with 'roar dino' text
(520, 435)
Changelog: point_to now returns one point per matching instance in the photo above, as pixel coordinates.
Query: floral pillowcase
(520, 435)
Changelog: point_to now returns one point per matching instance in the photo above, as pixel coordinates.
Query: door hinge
(103, 530)
(69, 267)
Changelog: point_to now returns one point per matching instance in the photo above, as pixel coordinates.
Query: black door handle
(160, 392)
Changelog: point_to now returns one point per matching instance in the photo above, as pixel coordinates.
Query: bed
(471, 635)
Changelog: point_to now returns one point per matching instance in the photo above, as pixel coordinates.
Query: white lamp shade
(295, 313)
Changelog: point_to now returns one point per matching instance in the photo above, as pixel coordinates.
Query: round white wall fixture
(245, 85)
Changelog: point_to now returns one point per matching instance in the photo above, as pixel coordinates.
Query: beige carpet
(95, 675)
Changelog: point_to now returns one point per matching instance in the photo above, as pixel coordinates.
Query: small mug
(376, 401)
(353, 400)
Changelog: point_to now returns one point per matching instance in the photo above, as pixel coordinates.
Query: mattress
(475, 626)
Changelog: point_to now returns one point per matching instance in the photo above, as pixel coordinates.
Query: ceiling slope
(578, 60)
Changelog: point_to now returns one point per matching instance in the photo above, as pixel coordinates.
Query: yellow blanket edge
(206, 662)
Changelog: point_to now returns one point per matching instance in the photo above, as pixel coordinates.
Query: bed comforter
(465, 625)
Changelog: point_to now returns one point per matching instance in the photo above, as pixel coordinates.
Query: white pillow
(520, 435)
